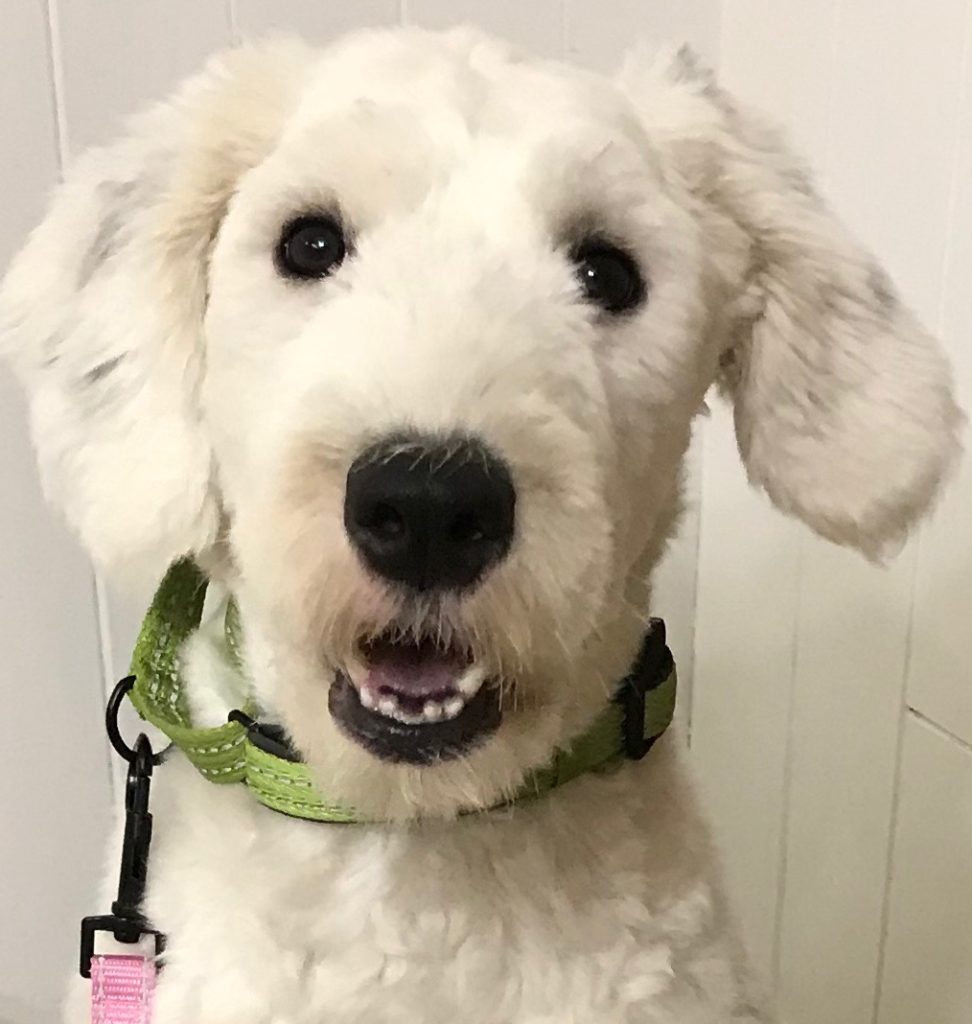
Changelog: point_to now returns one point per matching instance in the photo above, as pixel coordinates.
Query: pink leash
(122, 989)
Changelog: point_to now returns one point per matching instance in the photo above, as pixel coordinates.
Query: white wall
(830, 705)
(832, 697)
(54, 770)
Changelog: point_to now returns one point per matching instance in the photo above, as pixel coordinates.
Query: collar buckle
(652, 667)
(271, 739)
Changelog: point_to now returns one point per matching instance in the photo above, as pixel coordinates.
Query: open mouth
(414, 701)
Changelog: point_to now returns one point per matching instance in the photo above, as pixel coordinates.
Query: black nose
(431, 515)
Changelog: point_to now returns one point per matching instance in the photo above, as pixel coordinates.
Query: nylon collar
(257, 755)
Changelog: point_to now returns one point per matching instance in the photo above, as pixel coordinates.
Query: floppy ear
(844, 407)
(102, 311)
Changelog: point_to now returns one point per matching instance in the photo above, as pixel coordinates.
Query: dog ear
(102, 311)
(844, 407)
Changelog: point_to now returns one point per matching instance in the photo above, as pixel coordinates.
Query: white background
(830, 702)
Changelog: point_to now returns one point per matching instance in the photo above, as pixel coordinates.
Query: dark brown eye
(311, 247)
(608, 276)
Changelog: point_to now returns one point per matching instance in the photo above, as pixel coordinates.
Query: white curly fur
(186, 398)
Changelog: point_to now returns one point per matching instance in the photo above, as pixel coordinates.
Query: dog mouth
(414, 701)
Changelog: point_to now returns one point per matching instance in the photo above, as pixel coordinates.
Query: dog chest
(577, 908)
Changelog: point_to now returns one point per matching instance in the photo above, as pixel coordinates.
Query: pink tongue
(422, 671)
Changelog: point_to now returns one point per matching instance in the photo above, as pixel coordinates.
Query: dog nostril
(466, 528)
(384, 521)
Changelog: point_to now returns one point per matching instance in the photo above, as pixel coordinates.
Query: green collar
(244, 751)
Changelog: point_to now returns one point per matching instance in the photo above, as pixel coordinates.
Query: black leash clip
(126, 922)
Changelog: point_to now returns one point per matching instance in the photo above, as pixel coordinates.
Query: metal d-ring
(123, 750)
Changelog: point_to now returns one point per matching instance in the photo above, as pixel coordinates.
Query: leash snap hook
(126, 921)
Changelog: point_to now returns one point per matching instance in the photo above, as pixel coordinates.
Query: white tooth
(388, 706)
(453, 706)
(368, 699)
(471, 680)
(432, 711)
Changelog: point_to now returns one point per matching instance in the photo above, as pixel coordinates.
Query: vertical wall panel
(852, 639)
(874, 100)
(55, 793)
(927, 976)
(118, 55)
(940, 679)
(843, 745)
(745, 620)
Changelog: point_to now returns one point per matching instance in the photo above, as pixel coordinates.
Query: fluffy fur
(187, 398)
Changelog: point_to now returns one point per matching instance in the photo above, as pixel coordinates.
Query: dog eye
(609, 277)
(311, 247)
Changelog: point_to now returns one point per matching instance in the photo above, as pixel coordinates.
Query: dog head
(405, 340)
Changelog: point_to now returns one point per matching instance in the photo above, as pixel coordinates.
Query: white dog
(403, 341)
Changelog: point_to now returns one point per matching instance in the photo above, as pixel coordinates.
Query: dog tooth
(453, 706)
(471, 680)
(368, 699)
(432, 711)
(388, 706)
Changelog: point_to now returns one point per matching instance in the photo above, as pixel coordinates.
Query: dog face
(406, 340)
(437, 503)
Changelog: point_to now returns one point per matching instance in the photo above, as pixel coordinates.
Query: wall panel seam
(56, 82)
(784, 851)
(105, 649)
(945, 268)
(105, 638)
(233, 23)
(940, 730)
(890, 858)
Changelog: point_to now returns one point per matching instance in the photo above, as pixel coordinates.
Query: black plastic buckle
(651, 668)
(125, 921)
(269, 738)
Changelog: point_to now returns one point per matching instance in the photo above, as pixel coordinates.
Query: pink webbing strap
(121, 989)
